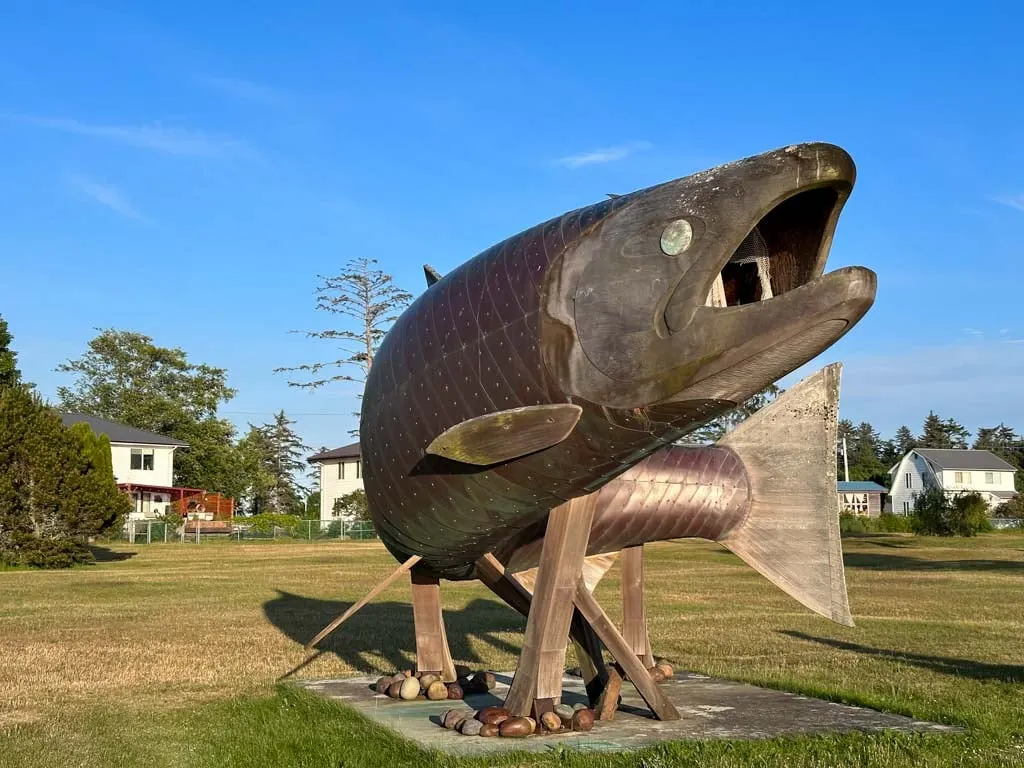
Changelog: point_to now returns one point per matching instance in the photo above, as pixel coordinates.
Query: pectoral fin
(504, 435)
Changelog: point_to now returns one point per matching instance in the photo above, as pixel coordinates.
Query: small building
(954, 471)
(341, 472)
(143, 465)
(860, 497)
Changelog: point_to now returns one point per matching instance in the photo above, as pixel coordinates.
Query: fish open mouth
(782, 252)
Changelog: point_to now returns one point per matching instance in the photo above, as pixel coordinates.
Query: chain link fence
(197, 531)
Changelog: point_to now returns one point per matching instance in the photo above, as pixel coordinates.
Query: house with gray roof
(954, 471)
(143, 463)
(860, 497)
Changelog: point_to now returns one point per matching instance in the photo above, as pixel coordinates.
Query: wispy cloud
(105, 195)
(155, 136)
(603, 155)
(245, 90)
(1012, 201)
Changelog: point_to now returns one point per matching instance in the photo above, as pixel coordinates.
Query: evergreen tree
(57, 487)
(939, 433)
(904, 441)
(865, 461)
(1005, 443)
(10, 376)
(272, 460)
(126, 378)
(367, 301)
(287, 464)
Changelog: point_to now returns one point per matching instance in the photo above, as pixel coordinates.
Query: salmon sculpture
(521, 421)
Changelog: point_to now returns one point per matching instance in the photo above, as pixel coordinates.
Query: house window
(341, 470)
(354, 471)
(359, 469)
(906, 507)
(990, 478)
(962, 477)
(142, 458)
(909, 480)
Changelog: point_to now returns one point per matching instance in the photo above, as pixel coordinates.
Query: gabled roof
(859, 486)
(350, 451)
(119, 433)
(952, 458)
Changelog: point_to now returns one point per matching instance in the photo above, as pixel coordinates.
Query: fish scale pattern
(470, 346)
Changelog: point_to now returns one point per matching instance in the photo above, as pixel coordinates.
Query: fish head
(707, 287)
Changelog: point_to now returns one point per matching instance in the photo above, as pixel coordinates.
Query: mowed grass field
(169, 655)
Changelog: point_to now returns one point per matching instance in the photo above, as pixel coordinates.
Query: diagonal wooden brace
(622, 652)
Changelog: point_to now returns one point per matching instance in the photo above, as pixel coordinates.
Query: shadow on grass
(882, 561)
(104, 555)
(386, 629)
(977, 670)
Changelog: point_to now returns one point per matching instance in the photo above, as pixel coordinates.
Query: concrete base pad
(710, 709)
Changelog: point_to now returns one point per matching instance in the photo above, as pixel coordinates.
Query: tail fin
(791, 533)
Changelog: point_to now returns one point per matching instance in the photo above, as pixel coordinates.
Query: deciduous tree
(124, 377)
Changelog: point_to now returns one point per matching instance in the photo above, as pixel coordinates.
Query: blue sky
(186, 170)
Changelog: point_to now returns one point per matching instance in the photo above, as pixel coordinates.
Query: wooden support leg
(622, 652)
(432, 654)
(634, 613)
(537, 684)
(588, 647)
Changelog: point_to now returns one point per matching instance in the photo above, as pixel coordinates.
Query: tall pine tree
(10, 376)
(940, 433)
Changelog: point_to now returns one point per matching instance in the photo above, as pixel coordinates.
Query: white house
(143, 463)
(341, 472)
(954, 471)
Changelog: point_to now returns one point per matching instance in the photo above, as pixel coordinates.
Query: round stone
(406, 673)
(427, 680)
(665, 668)
(493, 715)
(455, 691)
(410, 689)
(578, 707)
(676, 237)
(551, 721)
(382, 685)
(583, 720)
(532, 722)
(486, 679)
(563, 710)
(395, 690)
(453, 717)
(470, 727)
(515, 727)
(461, 670)
(437, 691)
(657, 674)
(489, 729)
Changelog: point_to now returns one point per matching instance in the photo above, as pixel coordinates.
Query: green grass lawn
(169, 655)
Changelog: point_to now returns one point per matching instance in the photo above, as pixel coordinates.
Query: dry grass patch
(138, 646)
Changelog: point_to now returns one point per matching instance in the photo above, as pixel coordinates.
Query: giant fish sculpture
(523, 414)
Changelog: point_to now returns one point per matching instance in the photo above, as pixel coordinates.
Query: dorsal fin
(431, 274)
(504, 435)
(611, 195)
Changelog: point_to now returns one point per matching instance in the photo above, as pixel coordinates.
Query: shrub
(265, 522)
(352, 506)
(935, 514)
(887, 522)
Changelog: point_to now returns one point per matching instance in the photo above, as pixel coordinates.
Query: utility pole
(846, 462)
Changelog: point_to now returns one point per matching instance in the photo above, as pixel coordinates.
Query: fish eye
(676, 237)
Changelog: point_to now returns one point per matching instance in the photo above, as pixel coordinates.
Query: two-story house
(953, 470)
(341, 472)
(143, 464)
